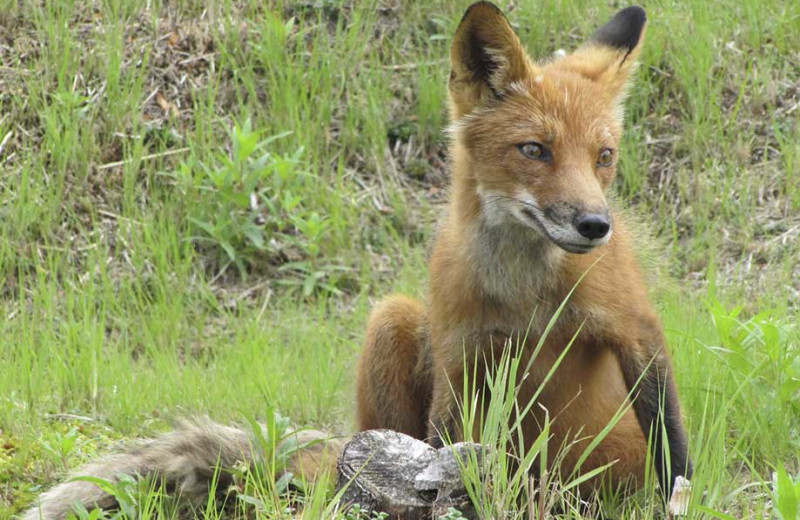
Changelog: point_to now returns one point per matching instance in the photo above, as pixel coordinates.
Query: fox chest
(515, 273)
(576, 387)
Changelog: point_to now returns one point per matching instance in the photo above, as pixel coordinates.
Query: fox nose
(593, 225)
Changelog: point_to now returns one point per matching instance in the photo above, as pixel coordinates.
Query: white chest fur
(516, 269)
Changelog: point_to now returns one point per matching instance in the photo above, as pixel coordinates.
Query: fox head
(538, 142)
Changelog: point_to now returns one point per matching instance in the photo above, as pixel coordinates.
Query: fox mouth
(568, 246)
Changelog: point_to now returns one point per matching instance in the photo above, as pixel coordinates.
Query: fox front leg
(649, 377)
(444, 418)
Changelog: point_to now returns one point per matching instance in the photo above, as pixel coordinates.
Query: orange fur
(502, 255)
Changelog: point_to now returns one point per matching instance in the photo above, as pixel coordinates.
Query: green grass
(162, 256)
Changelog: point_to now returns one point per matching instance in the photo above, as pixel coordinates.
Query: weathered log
(389, 472)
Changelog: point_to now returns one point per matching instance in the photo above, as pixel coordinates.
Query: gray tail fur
(186, 461)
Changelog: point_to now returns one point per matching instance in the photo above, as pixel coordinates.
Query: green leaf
(308, 285)
(714, 513)
(255, 234)
(282, 484)
(106, 485)
(785, 495)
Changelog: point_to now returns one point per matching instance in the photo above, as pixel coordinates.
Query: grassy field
(201, 200)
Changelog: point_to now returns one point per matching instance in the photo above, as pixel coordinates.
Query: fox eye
(534, 151)
(605, 158)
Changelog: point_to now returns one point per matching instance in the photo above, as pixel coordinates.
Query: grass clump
(246, 209)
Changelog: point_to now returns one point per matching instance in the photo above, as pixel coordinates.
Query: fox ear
(623, 32)
(486, 57)
(610, 55)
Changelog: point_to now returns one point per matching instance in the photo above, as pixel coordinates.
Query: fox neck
(512, 264)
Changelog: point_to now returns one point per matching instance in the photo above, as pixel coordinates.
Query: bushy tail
(186, 460)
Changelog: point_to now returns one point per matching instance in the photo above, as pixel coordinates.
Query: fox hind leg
(394, 388)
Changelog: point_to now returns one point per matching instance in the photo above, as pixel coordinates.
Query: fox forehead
(551, 107)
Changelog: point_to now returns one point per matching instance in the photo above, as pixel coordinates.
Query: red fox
(534, 148)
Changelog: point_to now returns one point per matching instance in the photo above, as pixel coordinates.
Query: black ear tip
(624, 30)
(633, 15)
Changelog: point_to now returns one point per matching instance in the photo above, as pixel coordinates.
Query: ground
(200, 202)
